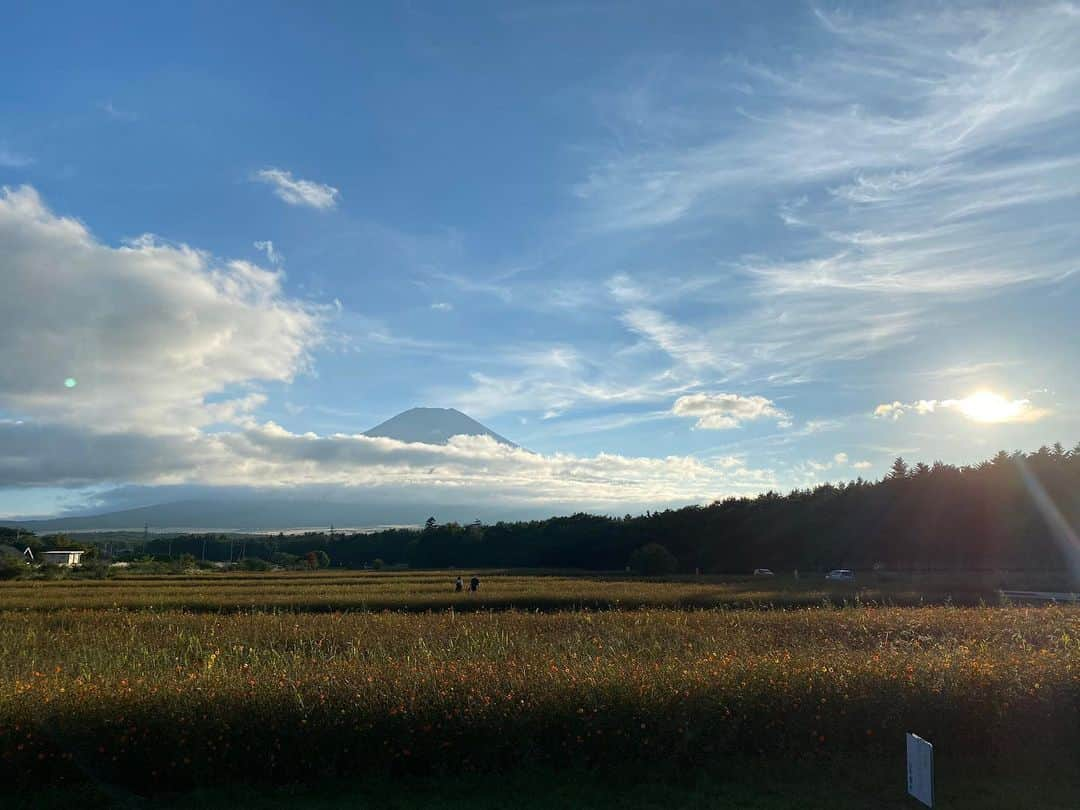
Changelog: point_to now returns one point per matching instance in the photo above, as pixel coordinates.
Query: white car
(763, 572)
(841, 575)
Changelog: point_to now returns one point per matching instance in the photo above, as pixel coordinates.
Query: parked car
(763, 572)
(841, 575)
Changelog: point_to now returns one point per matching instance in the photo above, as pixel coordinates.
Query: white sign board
(920, 769)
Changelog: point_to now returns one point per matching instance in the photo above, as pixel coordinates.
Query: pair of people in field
(474, 585)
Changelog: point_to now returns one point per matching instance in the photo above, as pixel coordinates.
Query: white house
(66, 558)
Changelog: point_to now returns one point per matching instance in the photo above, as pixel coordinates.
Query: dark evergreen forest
(990, 515)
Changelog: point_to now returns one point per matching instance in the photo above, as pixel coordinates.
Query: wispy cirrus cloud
(554, 379)
(273, 255)
(469, 284)
(896, 105)
(681, 342)
(967, 370)
(295, 191)
(776, 341)
(917, 162)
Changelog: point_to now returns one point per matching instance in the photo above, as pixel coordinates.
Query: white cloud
(813, 426)
(147, 331)
(238, 410)
(982, 406)
(268, 456)
(273, 255)
(862, 465)
(894, 410)
(725, 411)
(299, 192)
(442, 306)
(841, 458)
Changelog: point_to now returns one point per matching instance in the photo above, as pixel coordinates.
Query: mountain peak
(432, 426)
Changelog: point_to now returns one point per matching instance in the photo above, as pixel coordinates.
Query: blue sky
(678, 255)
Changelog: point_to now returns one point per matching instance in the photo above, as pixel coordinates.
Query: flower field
(166, 699)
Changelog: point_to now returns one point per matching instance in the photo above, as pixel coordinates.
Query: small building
(68, 559)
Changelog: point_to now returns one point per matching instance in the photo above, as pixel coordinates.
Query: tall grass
(168, 699)
(422, 591)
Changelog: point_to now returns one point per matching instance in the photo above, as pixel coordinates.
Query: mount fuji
(432, 426)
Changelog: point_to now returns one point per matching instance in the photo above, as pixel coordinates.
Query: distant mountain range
(253, 511)
(262, 513)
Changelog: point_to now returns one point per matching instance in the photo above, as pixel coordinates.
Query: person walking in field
(474, 584)
(459, 585)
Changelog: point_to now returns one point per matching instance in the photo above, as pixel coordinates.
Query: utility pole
(204, 548)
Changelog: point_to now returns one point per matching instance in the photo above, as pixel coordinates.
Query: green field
(387, 689)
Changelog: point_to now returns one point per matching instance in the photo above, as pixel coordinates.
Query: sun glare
(986, 406)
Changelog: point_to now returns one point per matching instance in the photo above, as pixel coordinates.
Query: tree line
(1000, 514)
(991, 515)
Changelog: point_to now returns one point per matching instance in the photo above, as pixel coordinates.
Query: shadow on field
(744, 784)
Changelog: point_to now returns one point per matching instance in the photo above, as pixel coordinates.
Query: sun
(986, 406)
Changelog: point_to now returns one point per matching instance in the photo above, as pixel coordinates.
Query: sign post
(920, 769)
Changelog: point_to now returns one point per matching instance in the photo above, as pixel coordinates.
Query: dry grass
(355, 590)
(156, 699)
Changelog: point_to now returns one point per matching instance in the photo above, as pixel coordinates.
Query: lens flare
(70, 382)
(1060, 529)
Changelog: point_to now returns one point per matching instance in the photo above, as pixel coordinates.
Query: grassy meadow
(330, 591)
(154, 686)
